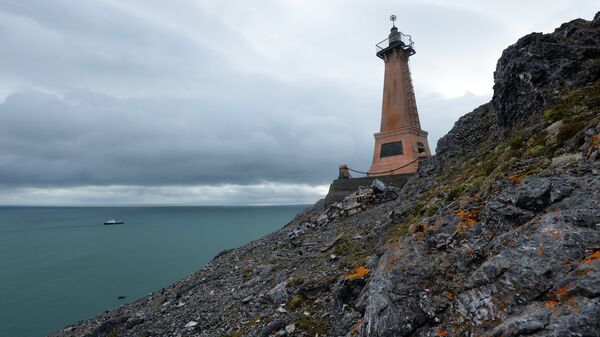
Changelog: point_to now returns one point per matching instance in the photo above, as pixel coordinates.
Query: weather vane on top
(393, 18)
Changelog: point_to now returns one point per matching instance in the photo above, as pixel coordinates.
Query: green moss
(515, 142)
(346, 247)
(538, 150)
(350, 253)
(575, 103)
(258, 319)
(315, 325)
(487, 168)
(145, 333)
(568, 130)
(345, 265)
(418, 208)
(455, 193)
(397, 231)
(112, 334)
(233, 334)
(295, 302)
(538, 139)
(294, 282)
(247, 273)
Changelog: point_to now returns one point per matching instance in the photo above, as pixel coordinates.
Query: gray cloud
(76, 140)
(132, 97)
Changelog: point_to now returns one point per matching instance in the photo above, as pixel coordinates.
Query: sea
(59, 265)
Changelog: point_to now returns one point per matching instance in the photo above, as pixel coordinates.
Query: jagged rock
(191, 324)
(264, 270)
(533, 319)
(279, 293)
(566, 159)
(290, 328)
(346, 292)
(546, 62)
(275, 325)
(533, 195)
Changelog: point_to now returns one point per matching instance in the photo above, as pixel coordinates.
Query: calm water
(59, 265)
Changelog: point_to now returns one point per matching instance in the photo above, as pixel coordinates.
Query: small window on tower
(420, 147)
(391, 149)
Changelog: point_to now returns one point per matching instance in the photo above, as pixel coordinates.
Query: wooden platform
(343, 187)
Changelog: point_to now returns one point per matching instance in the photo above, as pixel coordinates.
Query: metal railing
(400, 38)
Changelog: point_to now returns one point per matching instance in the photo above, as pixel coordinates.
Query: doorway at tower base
(398, 151)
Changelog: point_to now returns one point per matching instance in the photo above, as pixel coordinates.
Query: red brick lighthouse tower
(400, 142)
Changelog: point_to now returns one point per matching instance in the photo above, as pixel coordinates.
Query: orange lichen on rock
(468, 218)
(355, 329)
(554, 233)
(359, 272)
(515, 179)
(450, 295)
(469, 252)
(560, 295)
(442, 332)
(419, 228)
(594, 144)
(541, 250)
(563, 293)
(593, 258)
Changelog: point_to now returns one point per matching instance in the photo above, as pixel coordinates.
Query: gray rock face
(278, 294)
(534, 195)
(488, 238)
(521, 274)
(529, 72)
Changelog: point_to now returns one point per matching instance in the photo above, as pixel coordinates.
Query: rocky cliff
(497, 235)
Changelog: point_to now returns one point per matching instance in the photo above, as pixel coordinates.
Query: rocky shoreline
(496, 235)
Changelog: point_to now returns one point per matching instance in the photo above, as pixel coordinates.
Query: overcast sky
(228, 101)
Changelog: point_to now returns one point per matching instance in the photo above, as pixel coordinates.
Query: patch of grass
(418, 208)
(455, 193)
(487, 168)
(397, 231)
(294, 281)
(576, 103)
(539, 139)
(515, 142)
(539, 150)
(257, 319)
(568, 130)
(295, 302)
(233, 334)
(247, 274)
(344, 265)
(346, 247)
(314, 325)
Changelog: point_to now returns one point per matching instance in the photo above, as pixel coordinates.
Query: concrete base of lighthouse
(398, 151)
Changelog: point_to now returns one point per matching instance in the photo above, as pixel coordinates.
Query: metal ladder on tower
(412, 103)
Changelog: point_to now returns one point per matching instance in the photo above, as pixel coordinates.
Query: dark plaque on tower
(391, 149)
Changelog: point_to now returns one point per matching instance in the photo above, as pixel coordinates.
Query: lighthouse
(400, 141)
